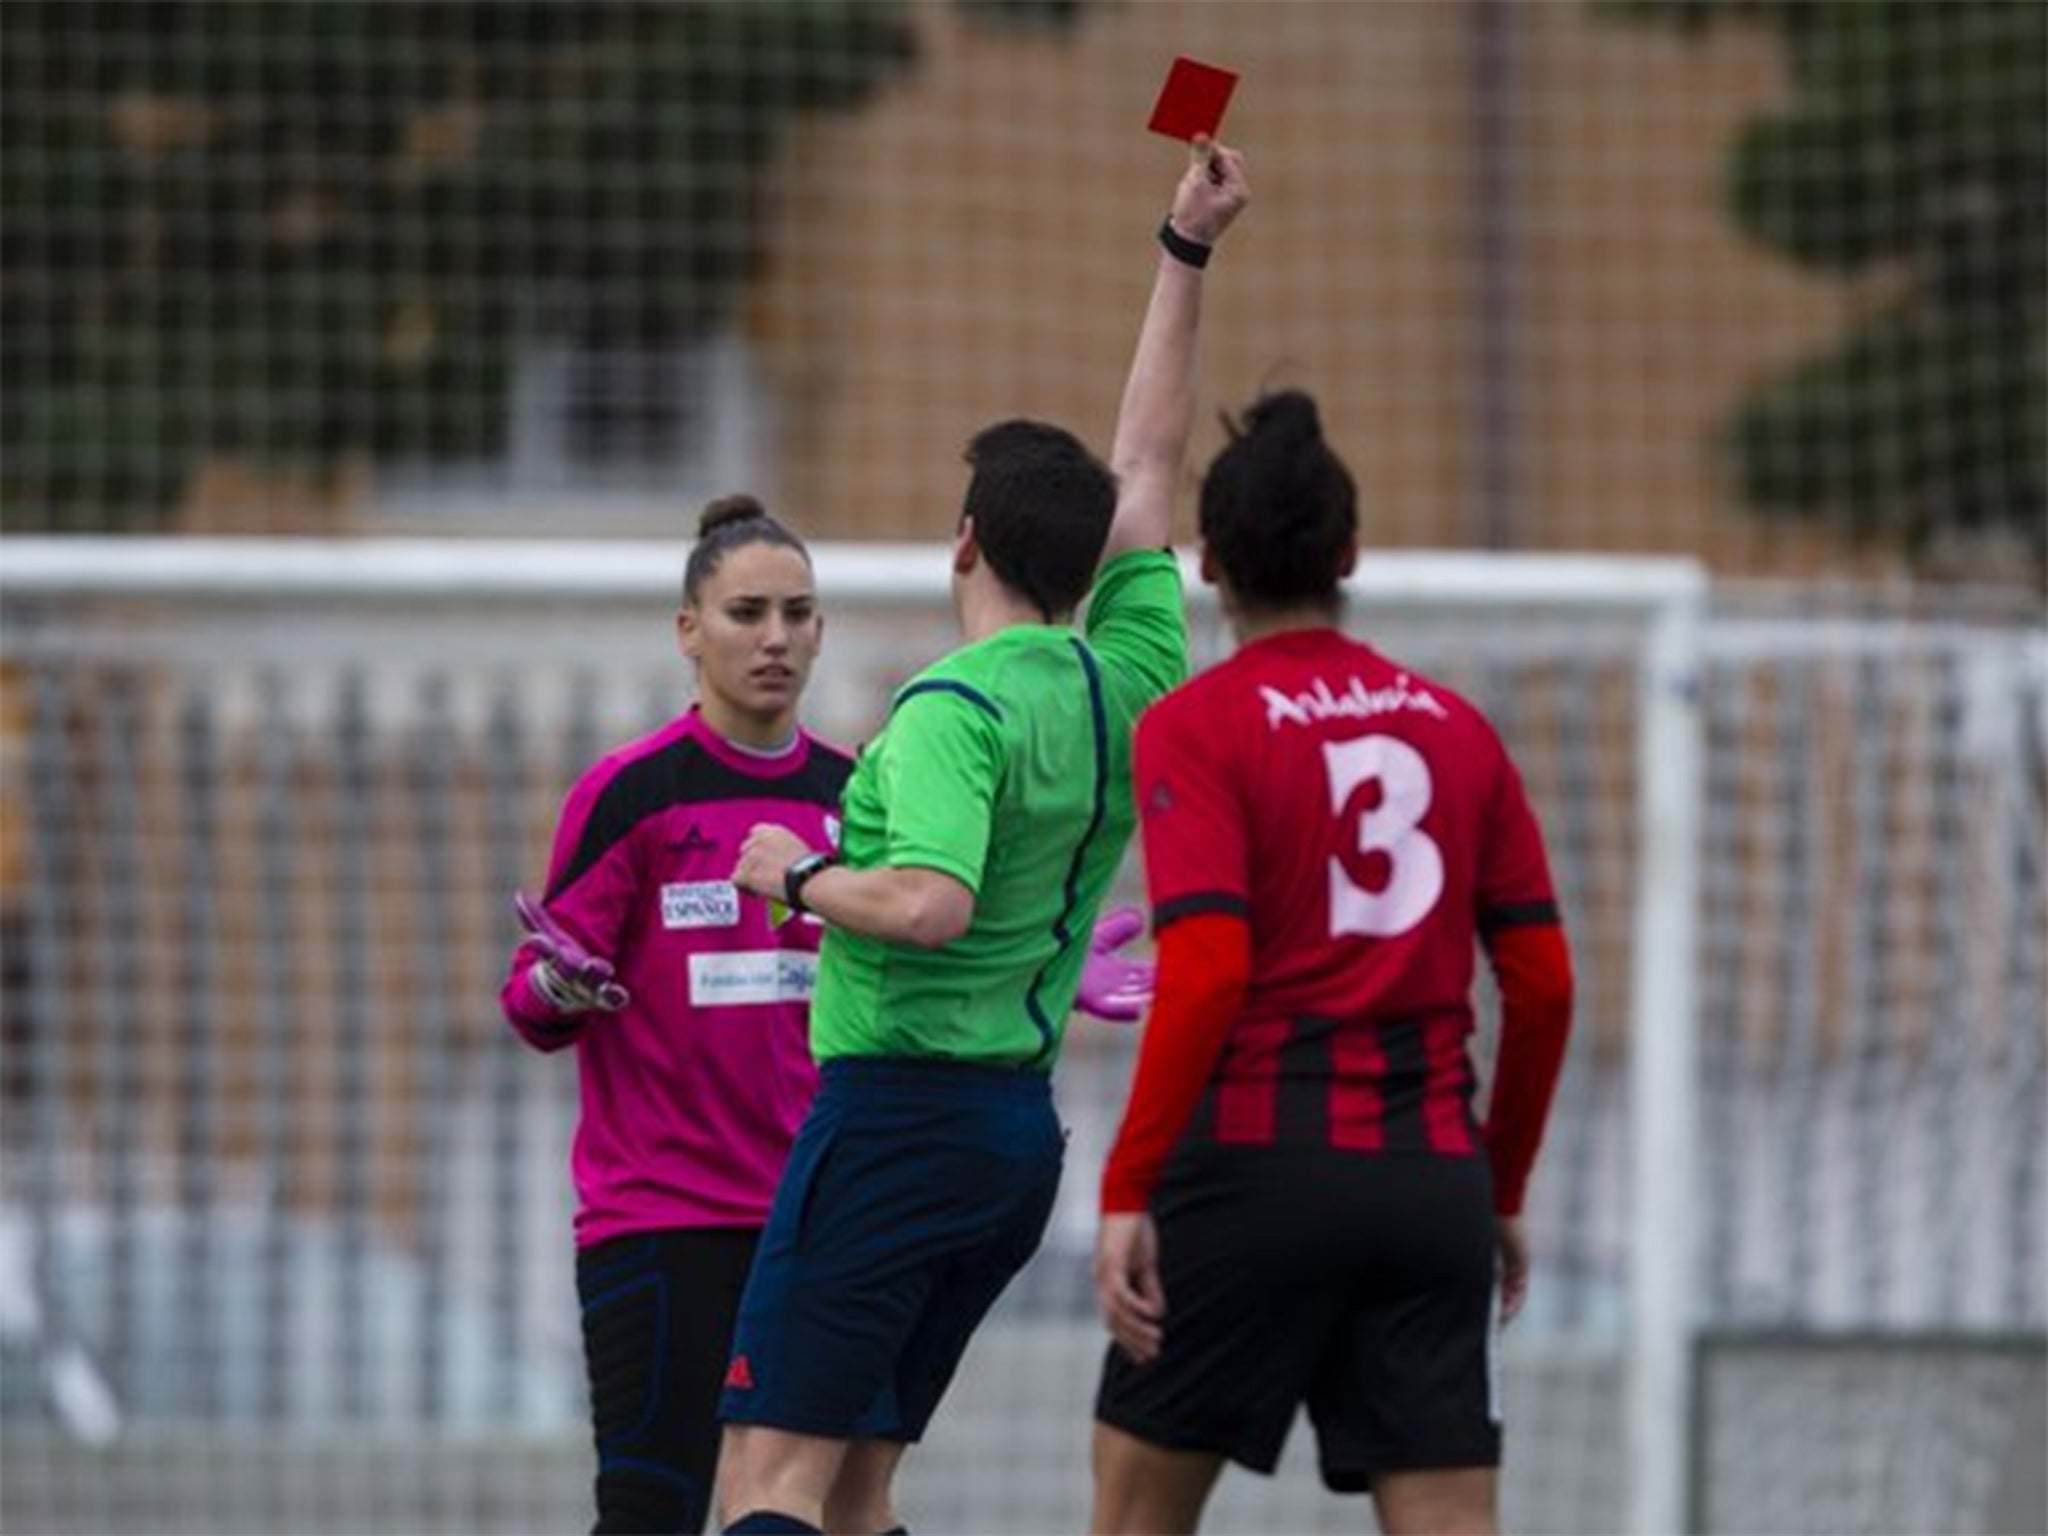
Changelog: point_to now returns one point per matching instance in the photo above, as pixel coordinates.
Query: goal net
(284, 1200)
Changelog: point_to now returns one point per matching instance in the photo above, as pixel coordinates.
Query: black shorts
(1361, 1285)
(658, 1310)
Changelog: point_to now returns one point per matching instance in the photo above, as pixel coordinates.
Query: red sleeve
(1191, 813)
(1514, 876)
(1204, 963)
(1534, 969)
(1196, 876)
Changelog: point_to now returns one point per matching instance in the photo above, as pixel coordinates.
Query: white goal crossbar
(402, 570)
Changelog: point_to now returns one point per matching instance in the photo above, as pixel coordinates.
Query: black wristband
(800, 874)
(1190, 252)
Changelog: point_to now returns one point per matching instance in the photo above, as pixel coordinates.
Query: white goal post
(1659, 603)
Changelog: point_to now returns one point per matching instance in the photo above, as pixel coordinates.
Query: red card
(1192, 100)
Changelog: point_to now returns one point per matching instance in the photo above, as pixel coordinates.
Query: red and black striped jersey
(1368, 825)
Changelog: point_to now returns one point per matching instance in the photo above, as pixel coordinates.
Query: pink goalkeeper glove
(568, 978)
(1112, 987)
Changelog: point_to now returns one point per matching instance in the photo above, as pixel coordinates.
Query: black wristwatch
(800, 874)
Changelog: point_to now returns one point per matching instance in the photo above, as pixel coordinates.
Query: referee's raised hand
(1212, 192)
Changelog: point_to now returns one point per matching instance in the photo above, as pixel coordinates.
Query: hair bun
(1288, 420)
(728, 509)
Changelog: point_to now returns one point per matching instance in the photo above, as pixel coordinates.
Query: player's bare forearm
(918, 907)
(1156, 417)
(899, 905)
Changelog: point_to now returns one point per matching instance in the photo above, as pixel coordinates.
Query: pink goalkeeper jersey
(692, 1093)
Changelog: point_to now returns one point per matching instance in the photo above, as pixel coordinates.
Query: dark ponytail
(1279, 511)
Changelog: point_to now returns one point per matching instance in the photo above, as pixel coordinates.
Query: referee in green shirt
(982, 828)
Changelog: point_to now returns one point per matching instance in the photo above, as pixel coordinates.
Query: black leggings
(658, 1310)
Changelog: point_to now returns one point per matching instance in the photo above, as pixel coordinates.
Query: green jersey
(1006, 765)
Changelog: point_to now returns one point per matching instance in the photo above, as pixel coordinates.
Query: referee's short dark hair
(1042, 505)
(1279, 509)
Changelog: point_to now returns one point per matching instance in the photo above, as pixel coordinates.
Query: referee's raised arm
(1157, 414)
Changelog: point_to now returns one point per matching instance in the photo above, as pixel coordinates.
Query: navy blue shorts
(915, 1191)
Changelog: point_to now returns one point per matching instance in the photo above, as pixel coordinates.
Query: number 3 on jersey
(1391, 829)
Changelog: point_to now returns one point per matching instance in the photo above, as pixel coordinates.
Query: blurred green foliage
(1914, 143)
(295, 232)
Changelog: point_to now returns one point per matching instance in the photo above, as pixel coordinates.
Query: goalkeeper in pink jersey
(688, 1009)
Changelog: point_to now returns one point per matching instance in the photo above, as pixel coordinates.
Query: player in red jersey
(1301, 1206)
